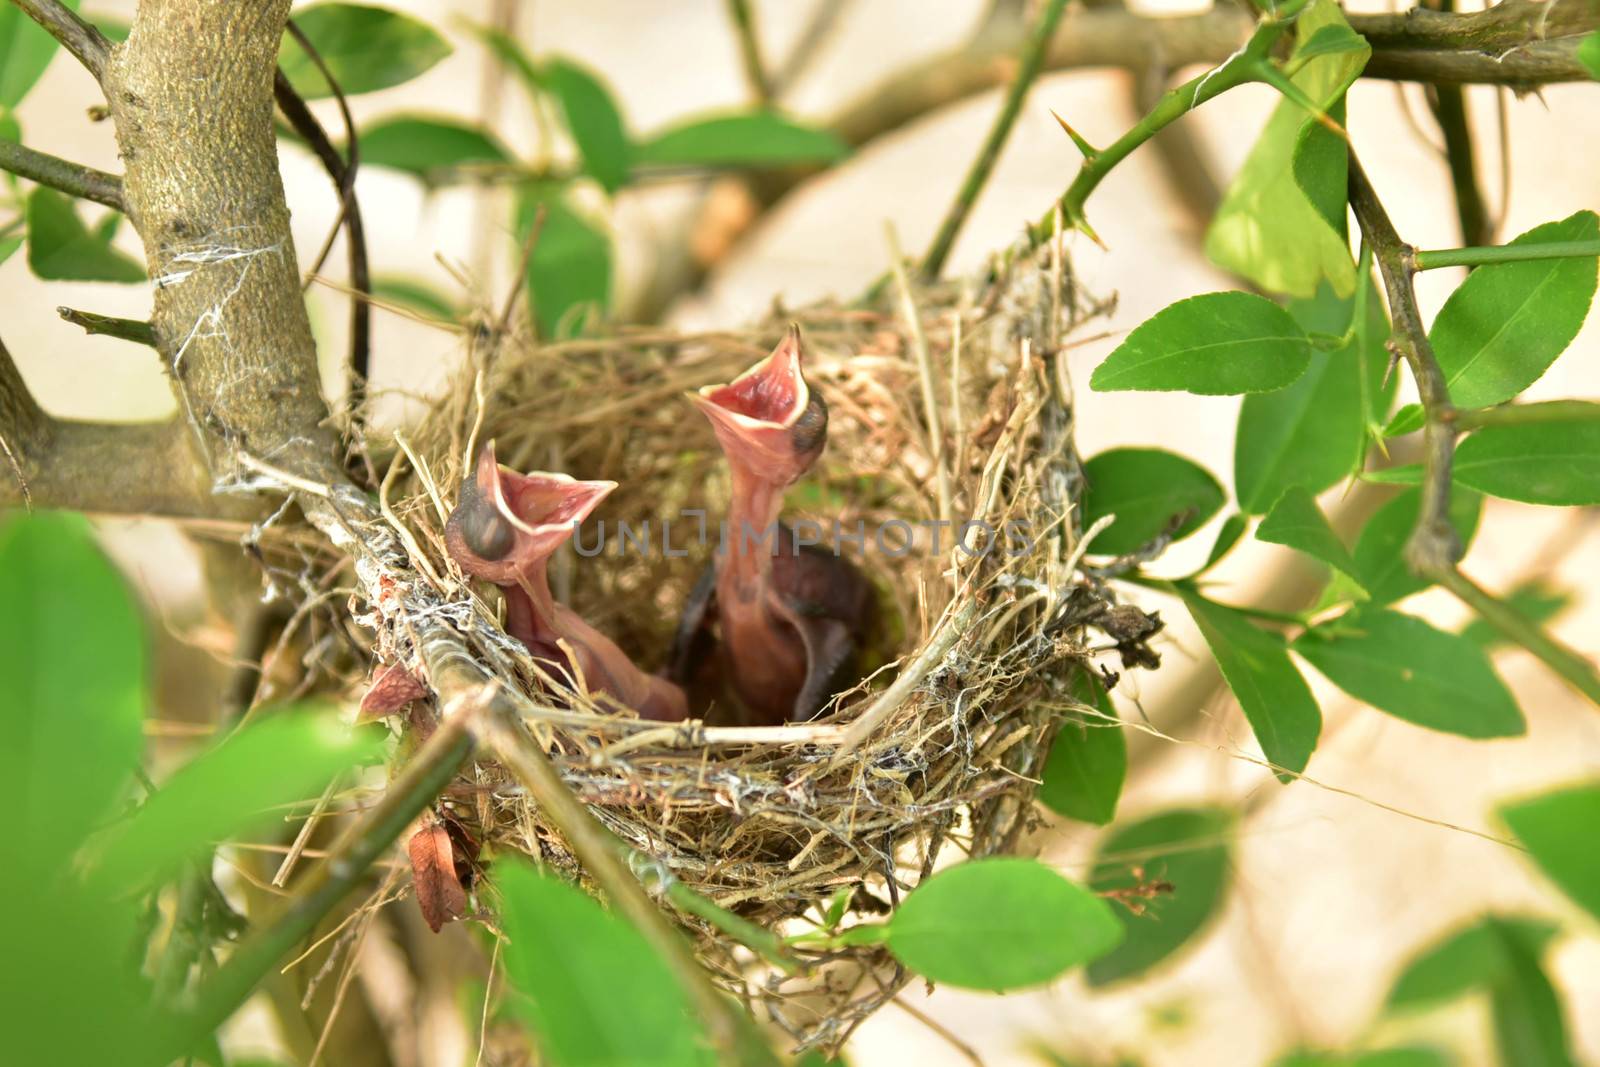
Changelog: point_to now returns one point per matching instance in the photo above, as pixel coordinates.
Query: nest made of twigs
(951, 405)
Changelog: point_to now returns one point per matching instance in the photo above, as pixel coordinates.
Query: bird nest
(949, 478)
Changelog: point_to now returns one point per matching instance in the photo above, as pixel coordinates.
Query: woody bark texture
(191, 96)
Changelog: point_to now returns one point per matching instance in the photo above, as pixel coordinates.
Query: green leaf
(1558, 830)
(8, 245)
(1267, 228)
(569, 272)
(365, 48)
(1088, 761)
(231, 790)
(1152, 493)
(1000, 924)
(1408, 419)
(115, 28)
(416, 296)
(1503, 327)
(1296, 521)
(1214, 344)
(25, 51)
(1407, 1056)
(1467, 960)
(509, 50)
(1313, 432)
(1529, 1027)
(594, 122)
(1555, 462)
(429, 148)
(1401, 665)
(1186, 848)
(1330, 39)
(1268, 686)
(1589, 53)
(1228, 534)
(756, 139)
(1534, 600)
(594, 993)
(1379, 551)
(72, 653)
(61, 248)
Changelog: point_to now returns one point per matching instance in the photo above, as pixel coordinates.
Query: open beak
(755, 416)
(506, 523)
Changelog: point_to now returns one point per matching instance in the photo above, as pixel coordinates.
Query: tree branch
(74, 179)
(989, 153)
(124, 469)
(229, 318)
(133, 330)
(1434, 546)
(84, 41)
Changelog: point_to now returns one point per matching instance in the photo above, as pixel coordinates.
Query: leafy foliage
(569, 272)
(1555, 462)
(1151, 493)
(595, 993)
(365, 49)
(1314, 432)
(25, 52)
(1296, 521)
(428, 148)
(1000, 924)
(1269, 228)
(1215, 344)
(593, 120)
(1507, 322)
(62, 248)
(72, 648)
(755, 139)
(1558, 831)
(1088, 761)
(1469, 959)
(1175, 865)
(1401, 665)
(1268, 686)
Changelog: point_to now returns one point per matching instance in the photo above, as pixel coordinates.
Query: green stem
(70, 178)
(331, 880)
(1032, 60)
(756, 938)
(1241, 68)
(1478, 256)
(755, 69)
(1514, 626)
(128, 329)
(1523, 414)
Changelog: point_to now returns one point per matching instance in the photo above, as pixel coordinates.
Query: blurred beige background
(1337, 883)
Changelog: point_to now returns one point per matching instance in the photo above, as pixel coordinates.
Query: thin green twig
(755, 68)
(128, 329)
(1433, 259)
(1032, 60)
(1523, 414)
(1516, 627)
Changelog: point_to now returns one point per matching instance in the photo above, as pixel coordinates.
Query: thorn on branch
(128, 329)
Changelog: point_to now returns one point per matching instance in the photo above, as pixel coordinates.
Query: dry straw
(939, 750)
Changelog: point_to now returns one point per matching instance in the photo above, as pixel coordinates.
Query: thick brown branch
(86, 43)
(124, 469)
(71, 178)
(191, 95)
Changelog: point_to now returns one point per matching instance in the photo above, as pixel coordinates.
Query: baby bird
(504, 529)
(791, 616)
